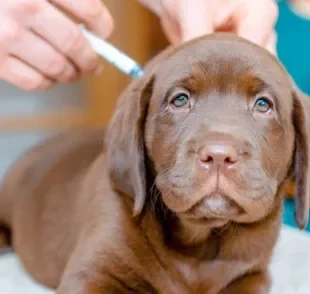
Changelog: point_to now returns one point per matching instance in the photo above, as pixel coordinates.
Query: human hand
(41, 45)
(186, 19)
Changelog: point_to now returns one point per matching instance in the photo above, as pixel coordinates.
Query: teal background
(293, 50)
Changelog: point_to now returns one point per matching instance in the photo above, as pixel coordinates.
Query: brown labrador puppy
(185, 194)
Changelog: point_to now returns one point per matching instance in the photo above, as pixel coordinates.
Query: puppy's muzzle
(218, 157)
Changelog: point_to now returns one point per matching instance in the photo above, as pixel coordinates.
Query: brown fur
(142, 208)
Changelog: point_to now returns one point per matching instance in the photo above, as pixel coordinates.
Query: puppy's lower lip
(215, 206)
(202, 219)
(214, 222)
(218, 196)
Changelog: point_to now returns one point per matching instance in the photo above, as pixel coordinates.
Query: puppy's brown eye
(180, 100)
(262, 105)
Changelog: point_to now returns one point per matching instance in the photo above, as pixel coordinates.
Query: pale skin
(40, 45)
(301, 6)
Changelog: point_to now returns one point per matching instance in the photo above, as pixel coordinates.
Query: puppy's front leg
(89, 279)
(252, 284)
(104, 284)
(91, 270)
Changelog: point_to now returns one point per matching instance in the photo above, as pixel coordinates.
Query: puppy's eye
(262, 105)
(180, 100)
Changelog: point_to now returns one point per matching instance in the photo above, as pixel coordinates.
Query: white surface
(290, 268)
(14, 280)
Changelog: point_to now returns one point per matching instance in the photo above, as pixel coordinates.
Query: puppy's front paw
(252, 284)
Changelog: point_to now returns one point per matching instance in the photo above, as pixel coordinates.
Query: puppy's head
(220, 126)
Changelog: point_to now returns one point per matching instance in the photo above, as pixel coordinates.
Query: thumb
(195, 18)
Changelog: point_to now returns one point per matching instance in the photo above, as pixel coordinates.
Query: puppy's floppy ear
(301, 120)
(125, 141)
(125, 136)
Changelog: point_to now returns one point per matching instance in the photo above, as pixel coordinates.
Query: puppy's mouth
(214, 207)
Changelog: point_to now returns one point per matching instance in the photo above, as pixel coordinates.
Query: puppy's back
(60, 158)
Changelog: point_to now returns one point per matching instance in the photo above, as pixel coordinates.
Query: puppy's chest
(195, 274)
(208, 276)
(209, 273)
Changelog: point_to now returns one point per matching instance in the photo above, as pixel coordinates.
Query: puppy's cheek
(253, 191)
(256, 211)
(257, 205)
(178, 174)
(253, 181)
(175, 191)
(173, 198)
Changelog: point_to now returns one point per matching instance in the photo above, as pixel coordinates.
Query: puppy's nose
(223, 156)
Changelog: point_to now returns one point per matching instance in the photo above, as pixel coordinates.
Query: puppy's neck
(180, 235)
(190, 235)
(193, 240)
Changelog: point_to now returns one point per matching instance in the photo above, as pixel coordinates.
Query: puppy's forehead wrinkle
(222, 61)
(224, 80)
(215, 47)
